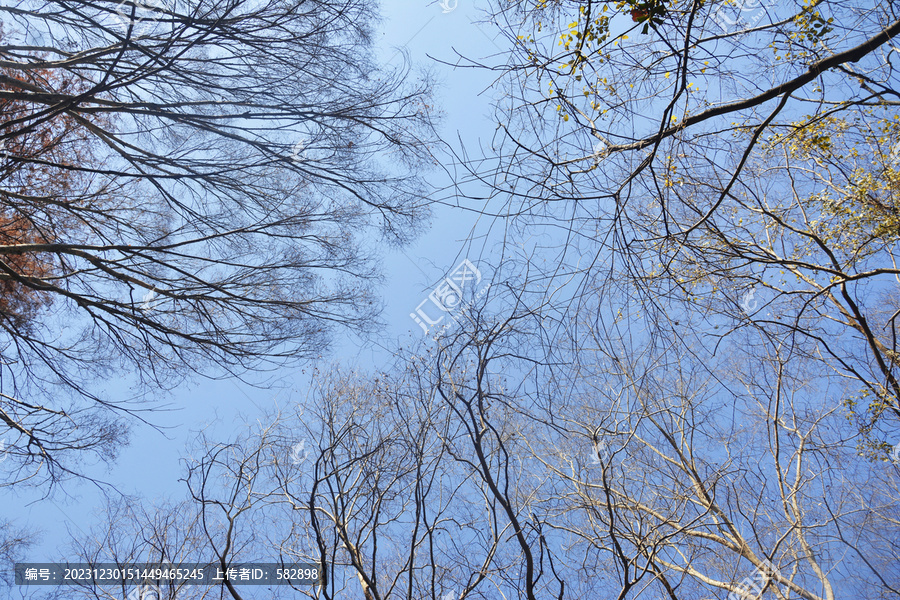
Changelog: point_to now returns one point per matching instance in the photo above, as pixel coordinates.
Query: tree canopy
(187, 187)
(683, 382)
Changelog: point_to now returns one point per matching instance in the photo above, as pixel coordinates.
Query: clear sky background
(150, 467)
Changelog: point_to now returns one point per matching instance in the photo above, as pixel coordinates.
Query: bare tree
(642, 470)
(378, 483)
(482, 471)
(731, 159)
(621, 419)
(722, 295)
(187, 186)
(129, 532)
(13, 543)
(360, 483)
